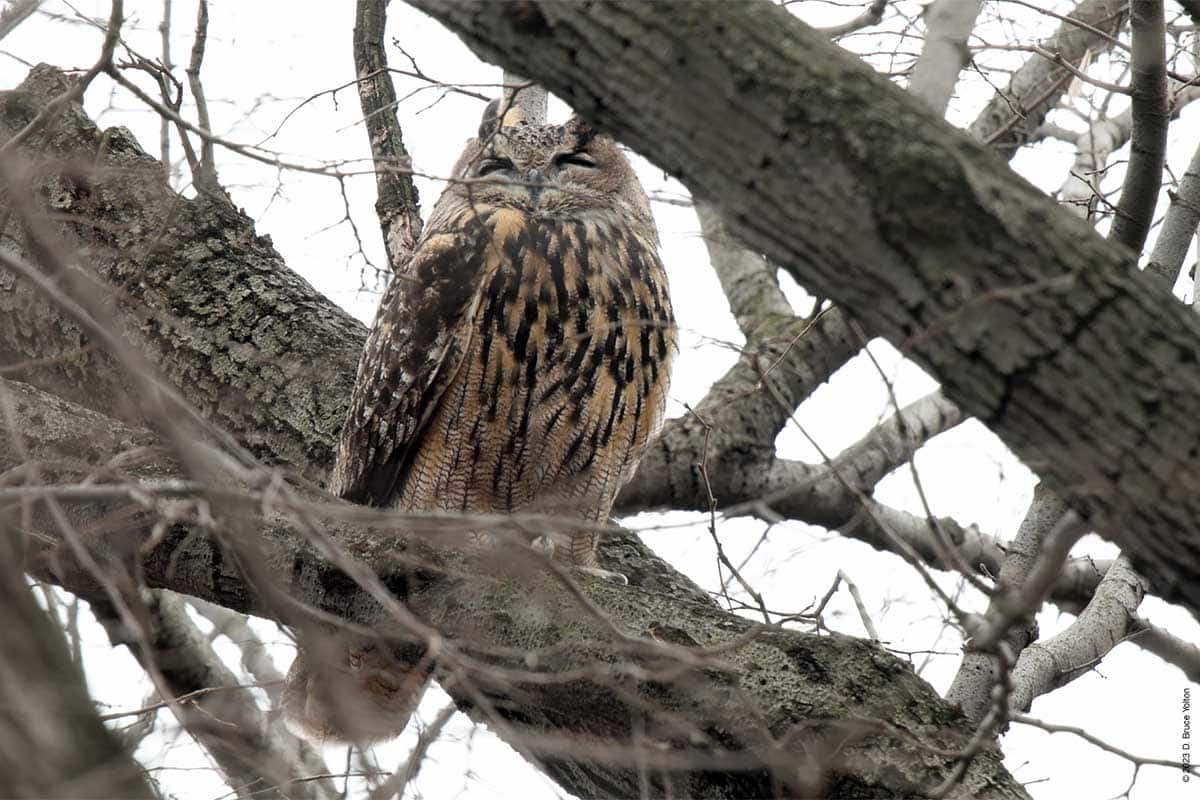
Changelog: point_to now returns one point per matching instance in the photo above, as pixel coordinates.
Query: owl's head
(565, 169)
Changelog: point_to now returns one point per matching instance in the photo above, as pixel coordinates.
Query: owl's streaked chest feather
(563, 378)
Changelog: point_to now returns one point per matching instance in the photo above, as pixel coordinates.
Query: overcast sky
(265, 59)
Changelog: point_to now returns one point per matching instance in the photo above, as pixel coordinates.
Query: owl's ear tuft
(491, 119)
(581, 128)
(487, 125)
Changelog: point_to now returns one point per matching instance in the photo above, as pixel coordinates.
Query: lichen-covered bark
(210, 301)
(1033, 324)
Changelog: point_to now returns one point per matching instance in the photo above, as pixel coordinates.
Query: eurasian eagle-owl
(518, 363)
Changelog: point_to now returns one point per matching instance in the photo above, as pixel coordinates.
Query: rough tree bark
(210, 301)
(1033, 324)
(271, 360)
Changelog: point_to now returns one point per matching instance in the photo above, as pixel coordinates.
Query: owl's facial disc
(536, 181)
(556, 170)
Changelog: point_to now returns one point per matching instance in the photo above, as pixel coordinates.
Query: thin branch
(980, 669)
(944, 54)
(398, 205)
(407, 772)
(164, 131)
(52, 742)
(15, 13)
(1178, 228)
(1013, 114)
(1020, 601)
(1148, 146)
(871, 15)
(205, 175)
(254, 754)
(749, 282)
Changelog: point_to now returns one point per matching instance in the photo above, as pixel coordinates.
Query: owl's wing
(419, 339)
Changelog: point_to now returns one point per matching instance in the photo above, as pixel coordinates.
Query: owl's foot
(603, 574)
(367, 698)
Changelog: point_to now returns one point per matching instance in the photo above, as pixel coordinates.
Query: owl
(518, 363)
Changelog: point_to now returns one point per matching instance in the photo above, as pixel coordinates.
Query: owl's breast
(566, 373)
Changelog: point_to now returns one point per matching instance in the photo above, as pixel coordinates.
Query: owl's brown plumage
(520, 362)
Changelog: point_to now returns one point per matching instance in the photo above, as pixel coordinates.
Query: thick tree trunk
(1032, 322)
(207, 299)
(606, 709)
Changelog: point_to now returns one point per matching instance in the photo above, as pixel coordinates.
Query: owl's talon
(604, 574)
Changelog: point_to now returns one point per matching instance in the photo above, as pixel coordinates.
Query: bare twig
(871, 15)
(205, 175)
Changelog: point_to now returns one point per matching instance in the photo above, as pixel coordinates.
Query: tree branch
(948, 25)
(1107, 620)
(747, 279)
(398, 206)
(525, 657)
(1014, 114)
(255, 755)
(978, 673)
(52, 743)
(1179, 227)
(1148, 146)
(209, 301)
(1032, 322)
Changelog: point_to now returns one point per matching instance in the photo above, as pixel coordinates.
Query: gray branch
(948, 25)
(977, 675)
(398, 206)
(526, 96)
(747, 279)
(256, 755)
(1178, 228)
(1107, 620)
(522, 654)
(1148, 145)
(52, 742)
(1011, 117)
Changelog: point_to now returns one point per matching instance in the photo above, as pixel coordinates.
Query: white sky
(265, 57)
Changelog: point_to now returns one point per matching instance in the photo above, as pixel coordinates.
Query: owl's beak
(535, 181)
